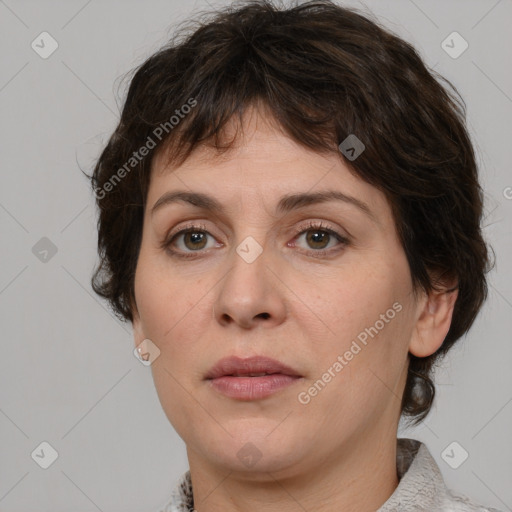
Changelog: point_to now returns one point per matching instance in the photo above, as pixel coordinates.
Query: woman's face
(252, 279)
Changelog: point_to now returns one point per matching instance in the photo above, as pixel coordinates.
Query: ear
(435, 312)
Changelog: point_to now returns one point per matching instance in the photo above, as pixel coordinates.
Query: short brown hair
(324, 72)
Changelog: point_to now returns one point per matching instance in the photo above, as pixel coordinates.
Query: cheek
(162, 298)
(369, 326)
(355, 299)
(175, 315)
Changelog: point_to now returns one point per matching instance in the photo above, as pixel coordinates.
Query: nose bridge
(246, 279)
(248, 290)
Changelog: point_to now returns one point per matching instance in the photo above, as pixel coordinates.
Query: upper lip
(234, 365)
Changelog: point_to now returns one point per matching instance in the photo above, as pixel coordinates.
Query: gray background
(68, 375)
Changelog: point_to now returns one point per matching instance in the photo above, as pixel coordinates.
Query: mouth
(256, 366)
(251, 374)
(253, 378)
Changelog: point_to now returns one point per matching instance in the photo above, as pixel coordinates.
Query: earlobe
(433, 323)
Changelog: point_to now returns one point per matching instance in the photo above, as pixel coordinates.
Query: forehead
(254, 136)
(263, 162)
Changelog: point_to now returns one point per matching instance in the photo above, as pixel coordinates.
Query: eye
(190, 239)
(320, 238)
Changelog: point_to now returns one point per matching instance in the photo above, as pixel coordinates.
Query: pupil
(196, 237)
(318, 236)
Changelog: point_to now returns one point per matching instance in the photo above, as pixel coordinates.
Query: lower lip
(252, 388)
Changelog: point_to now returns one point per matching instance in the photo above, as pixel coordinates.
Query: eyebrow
(286, 203)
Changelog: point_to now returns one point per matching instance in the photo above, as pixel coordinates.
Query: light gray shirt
(421, 486)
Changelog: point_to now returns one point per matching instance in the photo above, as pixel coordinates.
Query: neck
(359, 476)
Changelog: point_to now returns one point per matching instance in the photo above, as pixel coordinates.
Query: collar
(421, 486)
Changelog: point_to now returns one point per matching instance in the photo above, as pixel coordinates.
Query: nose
(251, 294)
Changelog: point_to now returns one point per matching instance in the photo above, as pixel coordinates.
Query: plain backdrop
(68, 374)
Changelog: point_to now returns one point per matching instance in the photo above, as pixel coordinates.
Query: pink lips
(231, 376)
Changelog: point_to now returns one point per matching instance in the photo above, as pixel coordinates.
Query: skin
(337, 452)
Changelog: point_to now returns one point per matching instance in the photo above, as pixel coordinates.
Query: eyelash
(311, 225)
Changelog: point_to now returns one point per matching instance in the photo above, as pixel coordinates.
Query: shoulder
(421, 485)
(454, 502)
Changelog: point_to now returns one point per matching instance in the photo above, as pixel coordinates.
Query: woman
(290, 218)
